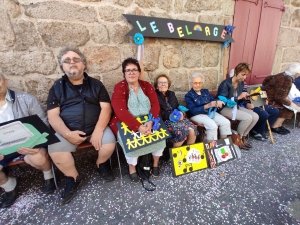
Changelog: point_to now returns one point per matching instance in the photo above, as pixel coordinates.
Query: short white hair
(194, 75)
(293, 69)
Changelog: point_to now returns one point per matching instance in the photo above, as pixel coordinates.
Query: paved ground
(263, 187)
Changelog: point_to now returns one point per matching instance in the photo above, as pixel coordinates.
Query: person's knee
(39, 159)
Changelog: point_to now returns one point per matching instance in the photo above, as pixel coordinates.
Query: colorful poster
(133, 141)
(220, 152)
(187, 159)
(179, 29)
(30, 132)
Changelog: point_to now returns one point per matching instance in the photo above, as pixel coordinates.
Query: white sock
(48, 175)
(10, 184)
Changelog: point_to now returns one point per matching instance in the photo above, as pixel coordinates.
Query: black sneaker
(105, 171)
(155, 172)
(49, 186)
(277, 130)
(9, 197)
(71, 187)
(284, 129)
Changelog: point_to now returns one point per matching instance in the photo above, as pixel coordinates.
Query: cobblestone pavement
(262, 187)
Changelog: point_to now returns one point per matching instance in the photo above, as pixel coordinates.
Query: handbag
(236, 139)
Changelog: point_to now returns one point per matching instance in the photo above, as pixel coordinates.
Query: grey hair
(293, 69)
(70, 48)
(194, 75)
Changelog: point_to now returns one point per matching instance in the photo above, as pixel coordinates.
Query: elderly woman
(182, 129)
(233, 88)
(131, 98)
(199, 102)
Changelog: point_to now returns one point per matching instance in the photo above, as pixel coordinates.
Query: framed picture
(220, 152)
(133, 141)
(187, 159)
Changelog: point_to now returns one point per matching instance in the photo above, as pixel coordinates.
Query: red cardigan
(119, 102)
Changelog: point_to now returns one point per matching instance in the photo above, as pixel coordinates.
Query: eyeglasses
(128, 71)
(197, 83)
(161, 83)
(75, 60)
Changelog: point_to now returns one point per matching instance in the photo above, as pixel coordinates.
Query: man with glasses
(79, 110)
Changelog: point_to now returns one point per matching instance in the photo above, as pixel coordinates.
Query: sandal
(245, 147)
(134, 178)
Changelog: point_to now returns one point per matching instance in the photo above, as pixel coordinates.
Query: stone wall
(33, 31)
(288, 44)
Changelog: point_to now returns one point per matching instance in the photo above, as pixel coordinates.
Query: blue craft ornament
(226, 43)
(230, 103)
(150, 117)
(229, 29)
(175, 116)
(156, 123)
(223, 99)
(297, 99)
(138, 38)
(182, 108)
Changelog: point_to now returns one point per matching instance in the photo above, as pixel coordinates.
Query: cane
(269, 128)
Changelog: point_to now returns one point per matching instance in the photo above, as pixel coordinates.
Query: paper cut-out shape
(138, 38)
(197, 27)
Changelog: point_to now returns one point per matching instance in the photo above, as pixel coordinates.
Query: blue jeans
(270, 113)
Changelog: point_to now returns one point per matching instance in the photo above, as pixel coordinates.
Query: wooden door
(257, 25)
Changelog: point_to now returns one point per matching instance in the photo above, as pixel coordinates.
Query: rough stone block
(56, 34)
(26, 36)
(7, 37)
(295, 3)
(200, 5)
(291, 54)
(172, 57)
(102, 58)
(151, 57)
(153, 74)
(159, 15)
(178, 6)
(286, 16)
(58, 10)
(179, 79)
(88, 0)
(296, 18)
(124, 3)
(277, 60)
(20, 63)
(211, 55)
(99, 34)
(165, 5)
(145, 3)
(191, 56)
(214, 19)
(111, 78)
(110, 13)
(13, 8)
(287, 37)
(129, 51)
(117, 34)
(228, 8)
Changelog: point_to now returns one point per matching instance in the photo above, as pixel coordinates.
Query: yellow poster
(188, 158)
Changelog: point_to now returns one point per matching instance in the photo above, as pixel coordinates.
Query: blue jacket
(195, 103)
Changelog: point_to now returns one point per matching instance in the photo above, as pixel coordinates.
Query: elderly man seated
(278, 88)
(78, 110)
(15, 105)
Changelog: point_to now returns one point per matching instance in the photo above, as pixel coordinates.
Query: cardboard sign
(30, 132)
(187, 159)
(220, 152)
(179, 29)
(133, 141)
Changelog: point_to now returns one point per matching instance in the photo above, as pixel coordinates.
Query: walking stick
(269, 128)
